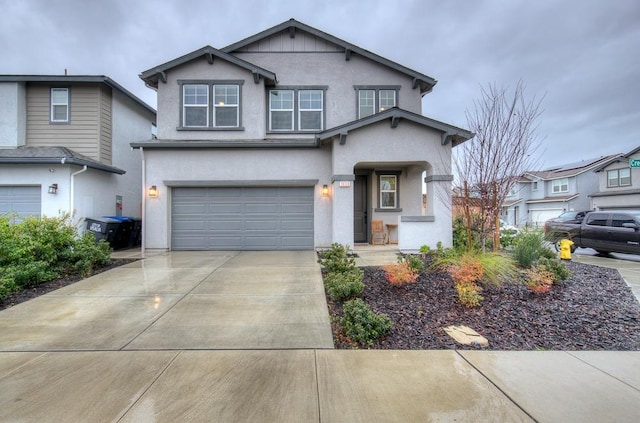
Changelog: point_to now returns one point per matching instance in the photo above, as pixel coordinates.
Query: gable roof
(619, 158)
(571, 169)
(425, 82)
(52, 155)
(157, 73)
(64, 79)
(450, 133)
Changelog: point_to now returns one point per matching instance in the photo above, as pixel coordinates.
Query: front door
(360, 209)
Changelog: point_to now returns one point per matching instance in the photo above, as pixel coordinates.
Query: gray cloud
(581, 55)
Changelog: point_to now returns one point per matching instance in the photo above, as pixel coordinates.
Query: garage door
(23, 201)
(247, 218)
(538, 217)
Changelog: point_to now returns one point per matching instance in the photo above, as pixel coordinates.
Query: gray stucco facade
(346, 149)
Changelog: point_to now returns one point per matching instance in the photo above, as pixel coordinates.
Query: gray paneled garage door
(23, 201)
(246, 218)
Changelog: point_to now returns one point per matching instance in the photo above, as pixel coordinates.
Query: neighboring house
(542, 195)
(64, 146)
(619, 183)
(293, 139)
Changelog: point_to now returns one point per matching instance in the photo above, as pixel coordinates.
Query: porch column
(439, 207)
(342, 213)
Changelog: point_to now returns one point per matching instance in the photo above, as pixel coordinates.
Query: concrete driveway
(181, 300)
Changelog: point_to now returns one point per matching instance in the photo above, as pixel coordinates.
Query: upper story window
(296, 109)
(59, 104)
(373, 100)
(619, 177)
(534, 186)
(211, 105)
(560, 185)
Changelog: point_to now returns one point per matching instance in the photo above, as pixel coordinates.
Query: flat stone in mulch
(594, 309)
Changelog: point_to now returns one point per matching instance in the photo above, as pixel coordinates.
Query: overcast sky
(583, 56)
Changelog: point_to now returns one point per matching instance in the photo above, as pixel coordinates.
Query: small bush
(539, 279)
(468, 269)
(86, 254)
(340, 286)
(415, 263)
(361, 324)
(336, 259)
(496, 268)
(528, 248)
(469, 294)
(556, 267)
(400, 274)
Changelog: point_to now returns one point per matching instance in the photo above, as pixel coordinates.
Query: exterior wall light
(153, 191)
(325, 191)
(53, 189)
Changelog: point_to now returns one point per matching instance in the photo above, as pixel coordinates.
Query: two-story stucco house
(65, 146)
(542, 195)
(293, 139)
(619, 183)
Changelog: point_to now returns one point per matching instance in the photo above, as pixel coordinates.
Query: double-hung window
(211, 105)
(298, 109)
(388, 191)
(59, 104)
(560, 185)
(373, 100)
(196, 106)
(618, 177)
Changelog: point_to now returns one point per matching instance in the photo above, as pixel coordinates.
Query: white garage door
(538, 217)
(24, 201)
(242, 218)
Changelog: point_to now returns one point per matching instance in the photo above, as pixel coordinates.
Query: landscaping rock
(466, 336)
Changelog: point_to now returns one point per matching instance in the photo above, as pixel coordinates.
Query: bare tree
(489, 165)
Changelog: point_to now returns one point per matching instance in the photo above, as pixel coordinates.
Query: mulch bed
(27, 294)
(593, 309)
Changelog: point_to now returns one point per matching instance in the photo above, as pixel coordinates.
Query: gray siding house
(619, 183)
(293, 139)
(542, 195)
(64, 146)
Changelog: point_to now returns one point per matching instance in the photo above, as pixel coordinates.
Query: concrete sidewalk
(228, 337)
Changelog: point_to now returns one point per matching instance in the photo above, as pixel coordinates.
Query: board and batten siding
(105, 125)
(83, 133)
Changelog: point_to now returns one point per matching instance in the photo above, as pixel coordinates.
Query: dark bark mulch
(31, 292)
(593, 309)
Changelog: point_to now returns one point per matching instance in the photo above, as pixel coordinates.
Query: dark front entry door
(360, 209)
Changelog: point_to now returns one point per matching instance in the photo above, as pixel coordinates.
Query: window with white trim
(211, 105)
(296, 109)
(373, 100)
(59, 104)
(619, 177)
(226, 104)
(195, 103)
(388, 191)
(534, 186)
(560, 185)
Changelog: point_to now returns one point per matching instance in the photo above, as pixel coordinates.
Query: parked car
(507, 229)
(604, 231)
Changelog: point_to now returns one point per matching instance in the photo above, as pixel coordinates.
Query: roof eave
(62, 161)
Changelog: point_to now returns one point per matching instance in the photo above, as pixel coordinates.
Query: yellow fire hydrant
(565, 249)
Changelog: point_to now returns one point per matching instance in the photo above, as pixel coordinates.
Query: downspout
(72, 193)
(144, 205)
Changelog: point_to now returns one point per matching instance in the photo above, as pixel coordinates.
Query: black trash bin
(136, 233)
(122, 237)
(104, 228)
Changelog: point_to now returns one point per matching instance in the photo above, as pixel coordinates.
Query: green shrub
(344, 285)
(415, 263)
(496, 268)
(556, 267)
(336, 259)
(361, 324)
(529, 247)
(86, 254)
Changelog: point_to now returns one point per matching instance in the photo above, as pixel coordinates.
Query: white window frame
(55, 104)
(185, 106)
(226, 105)
(534, 185)
(381, 107)
(370, 103)
(618, 178)
(382, 190)
(291, 111)
(301, 110)
(557, 185)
